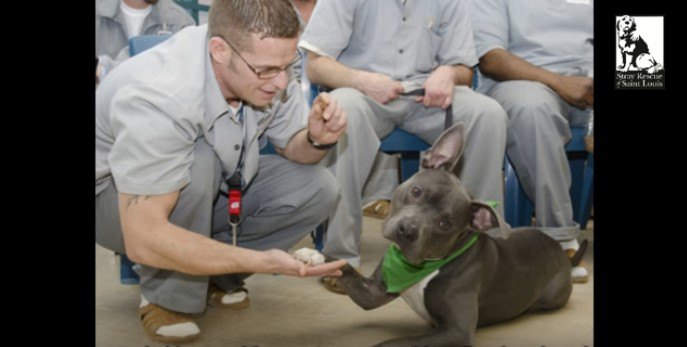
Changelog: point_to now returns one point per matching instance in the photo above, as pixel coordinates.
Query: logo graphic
(639, 56)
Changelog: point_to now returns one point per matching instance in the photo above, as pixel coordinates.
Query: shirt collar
(215, 104)
(107, 8)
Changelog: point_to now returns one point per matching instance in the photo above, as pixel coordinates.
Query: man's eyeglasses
(265, 74)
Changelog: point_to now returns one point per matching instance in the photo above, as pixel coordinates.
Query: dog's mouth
(409, 256)
(415, 258)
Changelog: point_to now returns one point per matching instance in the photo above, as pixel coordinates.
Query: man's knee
(327, 188)
(362, 120)
(108, 230)
(486, 115)
(321, 191)
(493, 114)
(355, 105)
(110, 237)
(347, 96)
(527, 102)
(205, 175)
(532, 112)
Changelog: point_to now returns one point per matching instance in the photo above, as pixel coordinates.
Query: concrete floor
(287, 311)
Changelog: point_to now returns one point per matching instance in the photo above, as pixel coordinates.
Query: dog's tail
(575, 260)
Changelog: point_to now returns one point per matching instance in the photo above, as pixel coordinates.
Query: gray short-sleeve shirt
(553, 34)
(152, 109)
(405, 40)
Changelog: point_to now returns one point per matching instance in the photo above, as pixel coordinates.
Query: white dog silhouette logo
(634, 50)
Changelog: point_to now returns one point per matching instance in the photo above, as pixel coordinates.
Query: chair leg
(410, 164)
(318, 236)
(127, 275)
(582, 187)
(587, 199)
(576, 161)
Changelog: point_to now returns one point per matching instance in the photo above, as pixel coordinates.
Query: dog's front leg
(627, 63)
(630, 50)
(623, 55)
(368, 293)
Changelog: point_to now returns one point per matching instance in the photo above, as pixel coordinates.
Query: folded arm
(501, 65)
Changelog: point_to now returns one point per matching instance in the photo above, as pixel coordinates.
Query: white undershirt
(134, 18)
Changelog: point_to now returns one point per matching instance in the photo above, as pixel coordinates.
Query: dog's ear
(484, 217)
(446, 150)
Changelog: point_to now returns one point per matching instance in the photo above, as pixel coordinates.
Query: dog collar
(399, 274)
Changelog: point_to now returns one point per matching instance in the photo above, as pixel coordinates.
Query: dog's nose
(627, 23)
(407, 231)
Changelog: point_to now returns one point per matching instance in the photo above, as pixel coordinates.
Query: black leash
(449, 110)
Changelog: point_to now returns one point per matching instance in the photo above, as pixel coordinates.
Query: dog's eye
(445, 224)
(416, 192)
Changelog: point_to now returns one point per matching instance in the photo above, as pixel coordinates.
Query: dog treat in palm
(322, 100)
(309, 256)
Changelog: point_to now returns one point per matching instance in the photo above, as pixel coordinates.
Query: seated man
(178, 128)
(118, 20)
(371, 52)
(535, 57)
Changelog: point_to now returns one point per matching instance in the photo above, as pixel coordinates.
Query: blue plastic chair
(409, 147)
(137, 44)
(518, 208)
(127, 274)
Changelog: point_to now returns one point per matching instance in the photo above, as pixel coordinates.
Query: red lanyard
(235, 185)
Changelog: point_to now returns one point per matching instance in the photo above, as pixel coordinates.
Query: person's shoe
(332, 283)
(378, 209)
(167, 326)
(234, 300)
(579, 272)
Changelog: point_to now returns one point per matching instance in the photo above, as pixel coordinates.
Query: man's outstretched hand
(286, 264)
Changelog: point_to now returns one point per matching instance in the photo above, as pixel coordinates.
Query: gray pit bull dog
(446, 265)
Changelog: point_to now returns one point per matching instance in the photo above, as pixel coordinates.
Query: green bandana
(399, 274)
(492, 203)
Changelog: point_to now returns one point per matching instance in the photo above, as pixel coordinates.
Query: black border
(637, 150)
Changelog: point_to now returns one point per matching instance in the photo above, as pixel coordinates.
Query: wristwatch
(320, 146)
